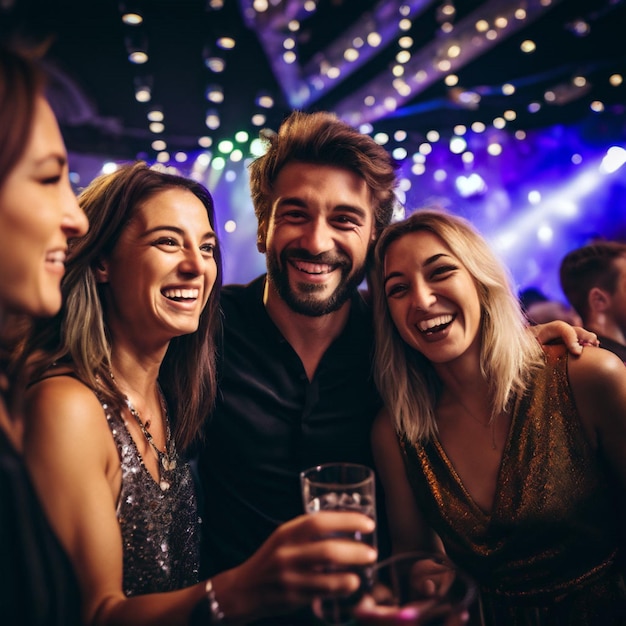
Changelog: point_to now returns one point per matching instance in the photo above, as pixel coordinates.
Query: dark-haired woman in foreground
(120, 384)
(38, 215)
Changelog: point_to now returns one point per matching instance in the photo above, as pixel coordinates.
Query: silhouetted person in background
(540, 309)
(593, 279)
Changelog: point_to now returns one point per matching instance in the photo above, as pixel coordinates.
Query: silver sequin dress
(160, 529)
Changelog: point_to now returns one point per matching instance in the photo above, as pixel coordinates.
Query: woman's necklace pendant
(164, 484)
(168, 464)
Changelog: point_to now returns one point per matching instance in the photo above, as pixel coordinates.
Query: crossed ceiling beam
(384, 92)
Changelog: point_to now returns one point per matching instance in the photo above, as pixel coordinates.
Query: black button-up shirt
(271, 422)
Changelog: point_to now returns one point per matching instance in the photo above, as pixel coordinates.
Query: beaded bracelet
(207, 612)
(217, 615)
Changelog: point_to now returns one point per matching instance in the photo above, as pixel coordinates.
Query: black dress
(37, 583)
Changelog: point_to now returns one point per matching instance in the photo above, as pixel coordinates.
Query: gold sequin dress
(547, 552)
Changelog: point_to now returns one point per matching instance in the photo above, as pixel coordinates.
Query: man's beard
(309, 305)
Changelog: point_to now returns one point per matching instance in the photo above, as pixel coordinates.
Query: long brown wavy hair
(79, 335)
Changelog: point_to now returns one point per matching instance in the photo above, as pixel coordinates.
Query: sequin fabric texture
(160, 530)
(545, 553)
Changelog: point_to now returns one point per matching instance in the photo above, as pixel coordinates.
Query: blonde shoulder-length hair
(509, 352)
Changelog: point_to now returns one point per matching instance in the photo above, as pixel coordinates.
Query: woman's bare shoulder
(598, 381)
(61, 397)
(596, 369)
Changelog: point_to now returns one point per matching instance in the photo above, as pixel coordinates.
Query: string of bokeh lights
(458, 164)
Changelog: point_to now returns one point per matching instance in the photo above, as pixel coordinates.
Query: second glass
(415, 589)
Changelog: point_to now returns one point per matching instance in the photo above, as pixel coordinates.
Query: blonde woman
(509, 458)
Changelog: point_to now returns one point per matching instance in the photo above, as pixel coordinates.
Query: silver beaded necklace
(167, 458)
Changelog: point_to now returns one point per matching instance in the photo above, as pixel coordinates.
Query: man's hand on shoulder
(574, 337)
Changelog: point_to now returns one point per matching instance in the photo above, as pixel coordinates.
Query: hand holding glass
(340, 487)
(415, 589)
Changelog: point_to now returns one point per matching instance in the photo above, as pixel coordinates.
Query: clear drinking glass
(415, 589)
(340, 487)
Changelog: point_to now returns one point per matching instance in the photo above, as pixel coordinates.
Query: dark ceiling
(93, 91)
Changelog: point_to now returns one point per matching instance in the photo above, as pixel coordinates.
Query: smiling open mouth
(181, 295)
(315, 269)
(56, 258)
(436, 324)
